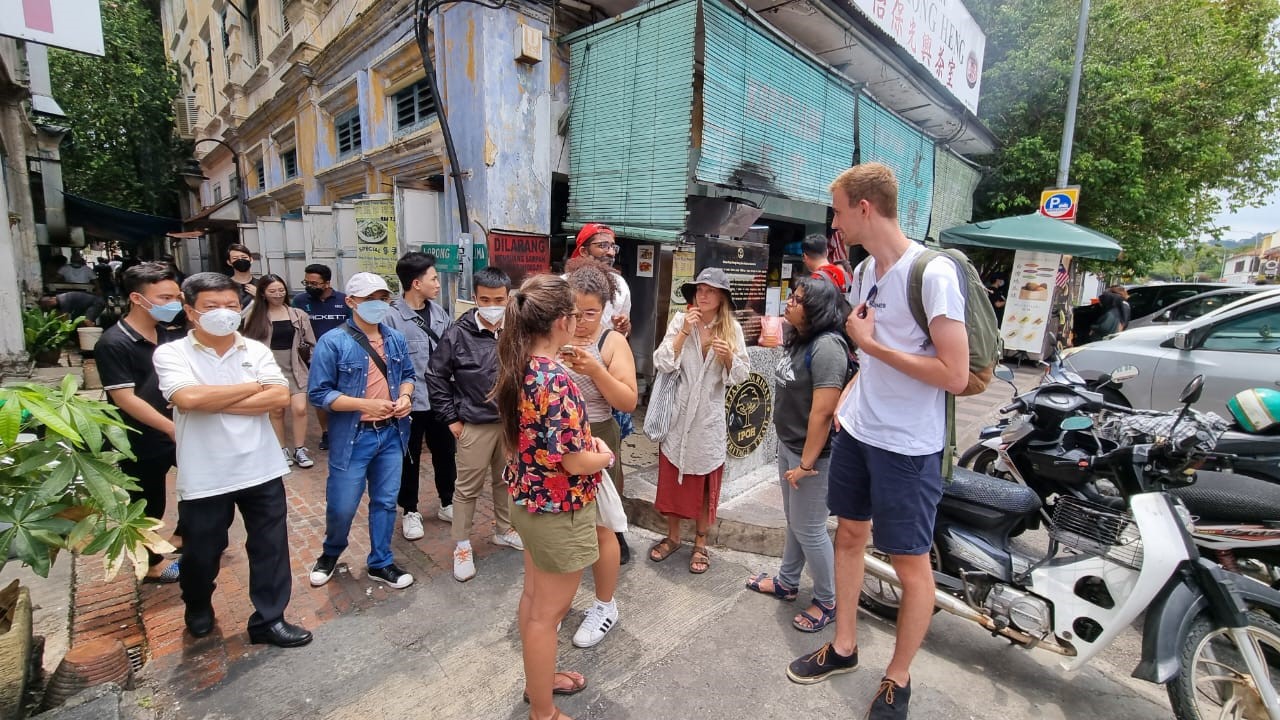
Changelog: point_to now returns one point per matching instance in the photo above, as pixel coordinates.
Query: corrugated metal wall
(772, 120)
(954, 183)
(883, 137)
(632, 92)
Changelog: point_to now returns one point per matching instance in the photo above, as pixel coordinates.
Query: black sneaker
(890, 702)
(323, 569)
(391, 575)
(324, 440)
(819, 666)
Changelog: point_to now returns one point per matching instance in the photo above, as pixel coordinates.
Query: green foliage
(46, 330)
(1201, 262)
(1175, 104)
(122, 149)
(59, 484)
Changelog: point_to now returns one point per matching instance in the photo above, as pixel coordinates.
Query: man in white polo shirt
(222, 387)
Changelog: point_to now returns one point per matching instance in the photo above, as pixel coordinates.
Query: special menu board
(747, 265)
(1030, 301)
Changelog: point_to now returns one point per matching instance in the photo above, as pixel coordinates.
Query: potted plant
(60, 488)
(46, 332)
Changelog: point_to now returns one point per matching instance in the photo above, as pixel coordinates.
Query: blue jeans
(376, 457)
(808, 541)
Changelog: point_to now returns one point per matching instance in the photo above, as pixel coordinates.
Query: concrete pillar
(13, 356)
(499, 110)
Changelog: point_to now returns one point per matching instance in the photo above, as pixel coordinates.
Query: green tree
(122, 148)
(1175, 104)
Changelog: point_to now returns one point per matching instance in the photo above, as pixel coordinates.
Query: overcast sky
(1247, 222)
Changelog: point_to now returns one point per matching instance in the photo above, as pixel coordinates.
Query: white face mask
(492, 315)
(220, 322)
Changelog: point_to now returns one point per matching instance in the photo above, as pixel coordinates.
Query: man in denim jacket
(361, 375)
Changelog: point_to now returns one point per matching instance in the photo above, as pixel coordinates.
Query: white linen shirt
(220, 453)
(887, 408)
(698, 438)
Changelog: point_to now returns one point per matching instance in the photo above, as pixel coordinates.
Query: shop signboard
(447, 257)
(69, 24)
(748, 408)
(682, 271)
(377, 248)
(940, 35)
(520, 255)
(747, 265)
(1029, 304)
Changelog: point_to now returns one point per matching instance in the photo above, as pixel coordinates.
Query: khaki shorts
(562, 542)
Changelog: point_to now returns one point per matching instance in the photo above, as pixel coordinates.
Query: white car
(1235, 347)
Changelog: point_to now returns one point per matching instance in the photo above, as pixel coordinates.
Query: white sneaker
(597, 623)
(464, 565)
(510, 539)
(445, 513)
(288, 456)
(412, 526)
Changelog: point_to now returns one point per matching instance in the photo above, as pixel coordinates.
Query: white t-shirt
(220, 453)
(621, 303)
(886, 408)
(82, 274)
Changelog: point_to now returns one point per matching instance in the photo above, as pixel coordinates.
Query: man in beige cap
(362, 376)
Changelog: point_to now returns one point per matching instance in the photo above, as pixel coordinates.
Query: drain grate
(137, 656)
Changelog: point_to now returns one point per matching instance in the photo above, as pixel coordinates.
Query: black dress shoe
(199, 621)
(280, 634)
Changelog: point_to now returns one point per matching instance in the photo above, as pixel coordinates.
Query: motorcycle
(1210, 636)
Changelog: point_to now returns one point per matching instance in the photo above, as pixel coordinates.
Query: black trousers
(150, 472)
(204, 524)
(425, 424)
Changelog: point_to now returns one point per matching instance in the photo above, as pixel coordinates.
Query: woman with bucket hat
(705, 344)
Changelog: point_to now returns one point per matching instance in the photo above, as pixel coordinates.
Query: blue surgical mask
(165, 313)
(372, 311)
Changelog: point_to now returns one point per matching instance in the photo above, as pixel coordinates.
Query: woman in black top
(285, 330)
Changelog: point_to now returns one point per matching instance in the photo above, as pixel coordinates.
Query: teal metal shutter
(954, 183)
(884, 137)
(773, 121)
(632, 102)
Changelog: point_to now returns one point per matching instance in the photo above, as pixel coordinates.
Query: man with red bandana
(597, 240)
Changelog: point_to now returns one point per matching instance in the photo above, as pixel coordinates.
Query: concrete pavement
(686, 647)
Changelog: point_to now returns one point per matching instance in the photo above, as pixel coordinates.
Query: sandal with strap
(701, 560)
(574, 690)
(811, 624)
(171, 573)
(780, 589)
(662, 549)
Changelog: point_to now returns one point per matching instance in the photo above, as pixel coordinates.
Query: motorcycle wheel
(882, 598)
(980, 459)
(1214, 681)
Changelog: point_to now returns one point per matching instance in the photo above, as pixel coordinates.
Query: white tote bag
(609, 510)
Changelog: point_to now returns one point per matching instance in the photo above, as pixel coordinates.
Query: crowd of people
(529, 394)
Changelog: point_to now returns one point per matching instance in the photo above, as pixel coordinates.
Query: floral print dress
(553, 423)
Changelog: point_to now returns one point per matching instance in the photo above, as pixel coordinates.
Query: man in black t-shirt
(327, 309)
(123, 354)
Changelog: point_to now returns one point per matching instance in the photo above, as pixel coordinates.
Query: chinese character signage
(941, 36)
(70, 24)
(377, 249)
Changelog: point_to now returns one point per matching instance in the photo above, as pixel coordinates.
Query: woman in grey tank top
(600, 362)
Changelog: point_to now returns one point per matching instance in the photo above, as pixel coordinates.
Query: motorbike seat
(1227, 497)
(991, 492)
(1238, 442)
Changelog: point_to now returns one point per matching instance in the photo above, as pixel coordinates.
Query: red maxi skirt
(684, 499)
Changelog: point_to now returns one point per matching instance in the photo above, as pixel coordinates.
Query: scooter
(1210, 636)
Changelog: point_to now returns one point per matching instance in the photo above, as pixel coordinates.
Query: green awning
(1035, 232)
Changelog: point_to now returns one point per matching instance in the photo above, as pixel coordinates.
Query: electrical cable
(420, 31)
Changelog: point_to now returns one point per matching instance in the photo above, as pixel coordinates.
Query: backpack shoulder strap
(915, 288)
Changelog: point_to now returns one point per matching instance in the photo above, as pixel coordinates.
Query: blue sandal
(826, 617)
(780, 590)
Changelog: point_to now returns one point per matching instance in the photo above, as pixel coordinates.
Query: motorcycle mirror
(1124, 373)
(1077, 423)
(1191, 393)
(1004, 373)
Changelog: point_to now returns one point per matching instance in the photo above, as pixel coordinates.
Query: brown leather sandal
(700, 562)
(662, 549)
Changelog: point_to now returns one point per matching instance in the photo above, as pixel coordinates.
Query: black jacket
(462, 373)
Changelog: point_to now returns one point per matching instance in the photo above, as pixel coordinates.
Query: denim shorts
(899, 494)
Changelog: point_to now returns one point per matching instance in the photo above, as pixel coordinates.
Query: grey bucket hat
(711, 277)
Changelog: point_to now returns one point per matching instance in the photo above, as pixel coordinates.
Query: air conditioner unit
(186, 115)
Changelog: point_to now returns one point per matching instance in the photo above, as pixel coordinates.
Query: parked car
(1235, 347)
(1143, 300)
(1196, 306)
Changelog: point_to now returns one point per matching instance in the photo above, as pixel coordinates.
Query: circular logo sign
(971, 70)
(1058, 205)
(748, 410)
